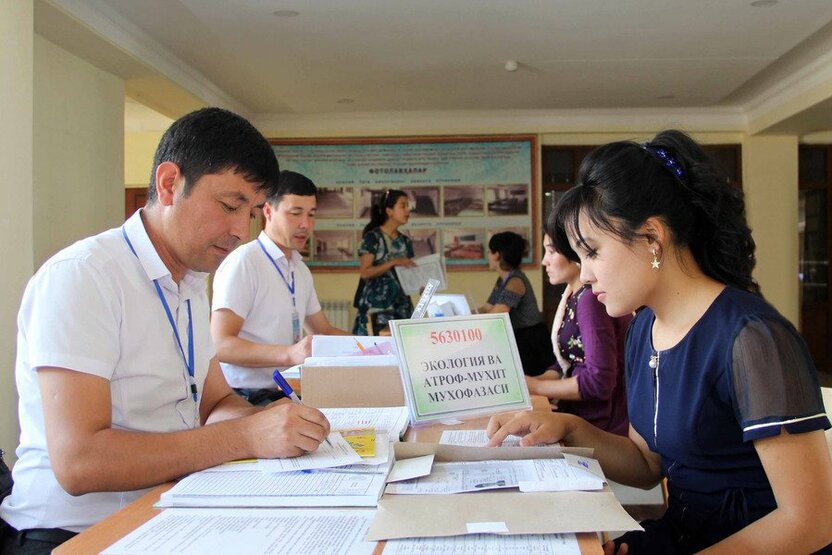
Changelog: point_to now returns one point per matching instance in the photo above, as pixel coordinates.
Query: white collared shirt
(248, 284)
(93, 308)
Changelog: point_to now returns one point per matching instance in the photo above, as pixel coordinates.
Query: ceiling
(371, 56)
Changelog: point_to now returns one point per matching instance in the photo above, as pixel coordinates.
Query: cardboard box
(505, 511)
(351, 386)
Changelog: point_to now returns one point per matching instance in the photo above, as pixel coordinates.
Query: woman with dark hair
(723, 397)
(513, 293)
(384, 247)
(588, 377)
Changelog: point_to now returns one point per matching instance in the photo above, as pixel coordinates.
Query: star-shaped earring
(655, 263)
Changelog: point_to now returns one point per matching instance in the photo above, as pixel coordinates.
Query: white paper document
(254, 488)
(527, 475)
(409, 469)
(352, 345)
(459, 477)
(414, 278)
(337, 453)
(473, 438)
(250, 531)
(357, 360)
(486, 544)
(390, 420)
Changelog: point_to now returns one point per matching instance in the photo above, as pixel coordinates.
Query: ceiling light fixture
(285, 13)
(511, 65)
(763, 3)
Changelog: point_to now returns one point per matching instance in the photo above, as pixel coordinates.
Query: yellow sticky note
(362, 440)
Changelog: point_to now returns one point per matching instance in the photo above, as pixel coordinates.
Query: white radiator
(339, 314)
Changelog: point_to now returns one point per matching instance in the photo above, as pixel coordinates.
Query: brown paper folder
(413, 516)
(351, 386)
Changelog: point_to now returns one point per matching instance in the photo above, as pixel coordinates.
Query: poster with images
(461, 191)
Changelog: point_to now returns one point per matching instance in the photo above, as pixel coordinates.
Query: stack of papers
(200, 531)
(539, 544)
(391, 421)
(570, 473)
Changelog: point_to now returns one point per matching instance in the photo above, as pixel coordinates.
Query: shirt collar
(152, 263)
(276, 252)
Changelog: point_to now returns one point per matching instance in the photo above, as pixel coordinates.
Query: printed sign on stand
(459, 367)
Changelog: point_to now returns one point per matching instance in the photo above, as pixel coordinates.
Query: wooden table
(113, 528)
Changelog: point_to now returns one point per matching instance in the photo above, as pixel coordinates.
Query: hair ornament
(665, 158)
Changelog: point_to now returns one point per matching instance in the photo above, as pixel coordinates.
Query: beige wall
(63, 170)
(16, 66)
(139, 149)
(78, 137)
(770, 185)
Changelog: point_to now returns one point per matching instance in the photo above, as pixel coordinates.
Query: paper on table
(561, 475)
(358, 360)
(539, 544)
(337, 453)
(207, 531)
(459, 477)
(236, 466)
(349, 345)
(414, 278)
(473, 438)
(253, 488)
(390, 420)
(408, 469)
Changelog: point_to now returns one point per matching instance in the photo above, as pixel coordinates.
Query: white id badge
(295, 326)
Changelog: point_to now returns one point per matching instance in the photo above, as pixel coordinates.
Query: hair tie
(666, 159)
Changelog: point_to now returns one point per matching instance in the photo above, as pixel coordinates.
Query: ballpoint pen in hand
(289, 392)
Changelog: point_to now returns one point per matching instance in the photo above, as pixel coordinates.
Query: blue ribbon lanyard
(290, 287)
(189, 361)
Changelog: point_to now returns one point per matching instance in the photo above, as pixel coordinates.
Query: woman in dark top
(382, 248)
(588, 377)
(723, 397)
(513, 293)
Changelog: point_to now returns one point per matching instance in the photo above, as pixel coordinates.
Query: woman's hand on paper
(534, 427)
(285, 430)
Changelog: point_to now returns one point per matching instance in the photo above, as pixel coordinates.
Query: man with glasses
(120, 388)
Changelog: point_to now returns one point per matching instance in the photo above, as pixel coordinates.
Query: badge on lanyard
(296, 331)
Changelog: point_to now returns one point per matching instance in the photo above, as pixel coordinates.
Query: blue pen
(289, 392)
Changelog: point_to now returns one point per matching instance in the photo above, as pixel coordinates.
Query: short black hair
(510, 245)
(292, 183)
(214, 140)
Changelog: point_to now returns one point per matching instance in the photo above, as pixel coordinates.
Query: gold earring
(656, 262)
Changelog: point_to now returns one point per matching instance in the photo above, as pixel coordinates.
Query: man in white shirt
(120, 389)
(264, 295)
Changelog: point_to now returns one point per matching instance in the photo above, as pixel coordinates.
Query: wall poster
(462, 190)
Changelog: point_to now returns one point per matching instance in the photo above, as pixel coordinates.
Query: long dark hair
(622, 184)
(378, 210)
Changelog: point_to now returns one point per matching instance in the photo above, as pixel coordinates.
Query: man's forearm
(240, 352)
(120, 460)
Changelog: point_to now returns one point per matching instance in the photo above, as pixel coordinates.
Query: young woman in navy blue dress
(722, 394)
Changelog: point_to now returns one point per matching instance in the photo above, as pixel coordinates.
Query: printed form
(206, 531)
(486, 544)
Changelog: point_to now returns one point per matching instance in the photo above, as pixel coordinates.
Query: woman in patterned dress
(384, 247)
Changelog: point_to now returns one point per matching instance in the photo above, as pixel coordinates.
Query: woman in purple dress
(588, 379)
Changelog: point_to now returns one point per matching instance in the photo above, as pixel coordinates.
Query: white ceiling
(364, 56)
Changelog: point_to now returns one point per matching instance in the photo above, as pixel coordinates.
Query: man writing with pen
(264, 295)
(120, 389)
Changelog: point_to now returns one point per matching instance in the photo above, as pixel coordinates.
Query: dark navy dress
(740, 374)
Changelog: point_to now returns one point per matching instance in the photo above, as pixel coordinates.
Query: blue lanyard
(291, 287)
(189, 362)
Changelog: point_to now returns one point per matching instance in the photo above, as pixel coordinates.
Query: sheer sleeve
(774, 381)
